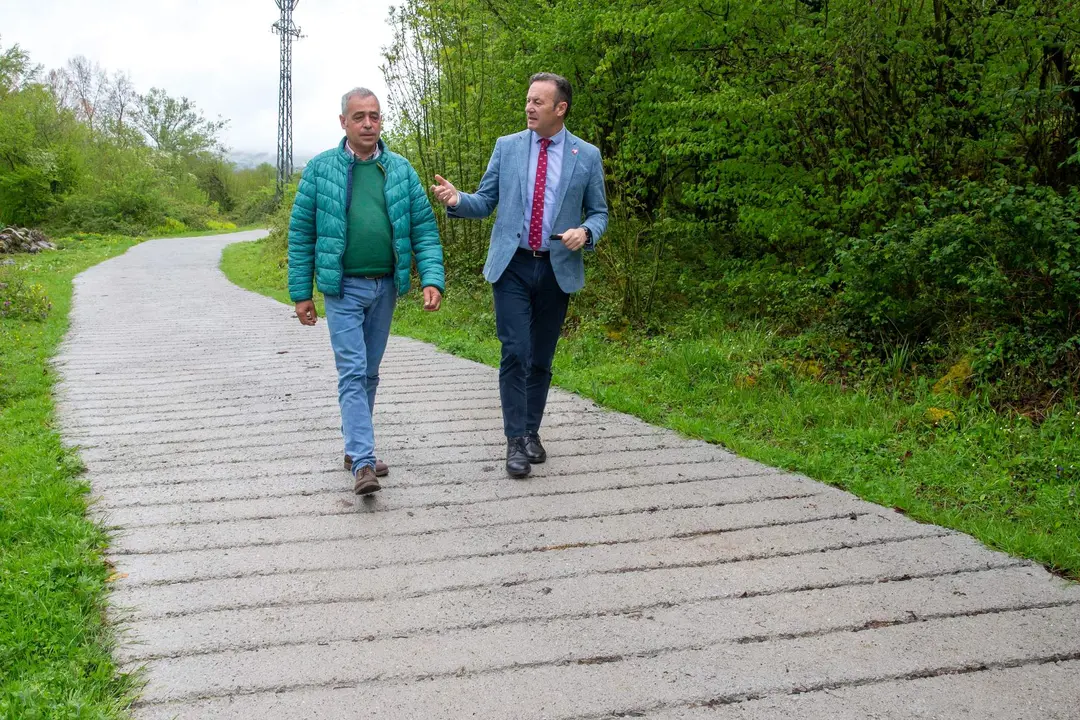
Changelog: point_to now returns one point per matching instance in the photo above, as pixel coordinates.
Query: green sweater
(369, 240)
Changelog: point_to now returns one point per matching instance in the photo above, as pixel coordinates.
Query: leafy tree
(175, 125)
(74, 155)
(15, 70)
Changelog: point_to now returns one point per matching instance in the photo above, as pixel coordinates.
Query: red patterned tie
(536, 225)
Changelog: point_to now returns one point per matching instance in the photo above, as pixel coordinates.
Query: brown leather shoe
(366, 482)
(381, 468)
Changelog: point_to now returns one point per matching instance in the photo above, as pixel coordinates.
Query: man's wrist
(588, 238)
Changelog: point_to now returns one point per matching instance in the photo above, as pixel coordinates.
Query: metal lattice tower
(288, 31)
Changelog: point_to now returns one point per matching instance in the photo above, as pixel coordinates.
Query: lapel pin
(574, 151)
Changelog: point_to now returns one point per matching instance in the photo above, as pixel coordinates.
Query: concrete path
(636, 574)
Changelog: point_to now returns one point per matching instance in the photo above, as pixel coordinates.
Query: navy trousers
(530, 308)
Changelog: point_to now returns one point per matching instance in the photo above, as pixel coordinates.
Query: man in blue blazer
(548, 185)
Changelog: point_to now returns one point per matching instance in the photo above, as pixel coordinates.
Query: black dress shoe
(517, 462)
(534, 450)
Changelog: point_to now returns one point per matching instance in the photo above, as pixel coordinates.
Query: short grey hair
(357, 92)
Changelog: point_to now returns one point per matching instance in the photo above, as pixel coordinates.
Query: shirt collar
(374, 156)
(555, 139)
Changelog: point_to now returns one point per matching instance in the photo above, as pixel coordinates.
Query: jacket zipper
(393, 240)
(345, 240)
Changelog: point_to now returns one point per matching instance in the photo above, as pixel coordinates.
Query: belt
(532, 253)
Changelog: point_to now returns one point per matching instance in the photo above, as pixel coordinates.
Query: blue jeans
(359, 323)
(529, 311)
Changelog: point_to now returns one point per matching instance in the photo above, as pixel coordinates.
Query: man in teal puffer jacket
(360, 217)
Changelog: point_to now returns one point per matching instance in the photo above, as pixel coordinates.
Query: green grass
(942, 459)
(251, 266)
(55, 657)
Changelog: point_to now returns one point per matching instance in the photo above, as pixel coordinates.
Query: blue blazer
(582, 202)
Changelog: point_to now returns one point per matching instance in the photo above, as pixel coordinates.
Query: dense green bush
(995, 267)
(256, 207)
(21, 299)
(110, 209)
(884, 180)
(277, 243)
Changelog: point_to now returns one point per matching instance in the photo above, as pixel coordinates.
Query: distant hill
(247, 159)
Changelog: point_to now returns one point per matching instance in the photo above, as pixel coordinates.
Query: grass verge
(941, 458)
(55, 646)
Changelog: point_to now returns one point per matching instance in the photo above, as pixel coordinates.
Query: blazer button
(519, 234)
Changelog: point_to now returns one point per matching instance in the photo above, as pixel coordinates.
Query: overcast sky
(220, 54)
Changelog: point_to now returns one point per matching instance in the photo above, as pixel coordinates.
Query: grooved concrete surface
(636, 574)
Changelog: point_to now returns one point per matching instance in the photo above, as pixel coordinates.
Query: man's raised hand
(444, 192)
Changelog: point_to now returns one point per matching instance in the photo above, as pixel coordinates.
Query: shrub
(995, 267)
(171, 226)
(256, 207)
(109, 210)
(20, 299)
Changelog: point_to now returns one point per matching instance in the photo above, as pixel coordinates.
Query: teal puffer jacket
(317, 227)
